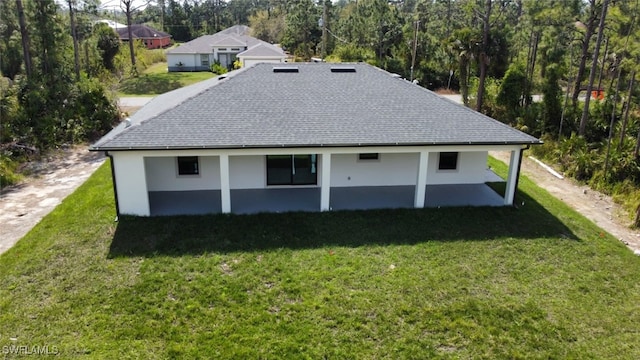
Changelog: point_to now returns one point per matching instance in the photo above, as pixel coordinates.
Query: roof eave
(280, 146)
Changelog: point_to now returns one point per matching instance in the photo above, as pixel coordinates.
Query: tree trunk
(484, 58)
(74, 36)
(585, 53)
(24, 33)
(86, 57)
(626, 110)
(127, 11)
(592, 74)
(612, 123)
(464, 79)
(527, 96)
(604, 60)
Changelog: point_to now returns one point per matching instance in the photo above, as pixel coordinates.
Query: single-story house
(151, 38)
(224, 47)
(306, 137)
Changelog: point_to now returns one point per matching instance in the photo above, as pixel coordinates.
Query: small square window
(188, 165)
(448, 161)
(369, 156)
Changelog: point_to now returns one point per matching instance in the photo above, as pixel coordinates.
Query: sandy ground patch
(22, 206)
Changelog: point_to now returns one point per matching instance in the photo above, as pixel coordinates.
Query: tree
(483, 59)
(24, 33)
(511, 90)
(74, 36)
(108, 43)
(128, 8)
(11, 58)
(551, 99)
(302, 33)
(177, 24)
(268, 27)
(589, 30)
(594, 68)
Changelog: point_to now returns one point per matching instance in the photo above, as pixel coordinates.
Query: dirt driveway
(22, 206)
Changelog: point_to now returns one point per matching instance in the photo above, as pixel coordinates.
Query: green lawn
(535, 282)
(157, 80)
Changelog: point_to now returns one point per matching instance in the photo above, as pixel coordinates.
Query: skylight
(285, 69)
(343, 69)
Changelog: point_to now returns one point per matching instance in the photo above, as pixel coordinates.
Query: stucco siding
(247, 172)
(389, 170)
(188, 62)
(162, 174)
(471, 169)
(131, 184)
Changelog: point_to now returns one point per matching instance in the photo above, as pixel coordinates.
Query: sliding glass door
(292, 170)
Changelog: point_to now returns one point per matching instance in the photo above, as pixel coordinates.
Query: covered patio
(251, 201)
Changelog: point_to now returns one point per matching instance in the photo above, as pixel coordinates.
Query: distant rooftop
(235, 36)
(140, 31)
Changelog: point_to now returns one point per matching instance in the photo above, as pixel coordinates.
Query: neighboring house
(151, 38)
(224, 47)
(306, 137)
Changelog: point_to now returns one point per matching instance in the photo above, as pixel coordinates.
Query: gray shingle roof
(235, 36)
(229, 40)
(257, 107)
(140, 31)
(263, 50)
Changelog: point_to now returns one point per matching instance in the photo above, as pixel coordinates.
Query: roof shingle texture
(257, 107)
(139, 31)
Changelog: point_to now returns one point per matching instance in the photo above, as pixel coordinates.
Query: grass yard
(157, 80)
(536, 282)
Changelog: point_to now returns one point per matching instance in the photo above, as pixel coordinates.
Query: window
(369, 156)
(448, 161)
(204, 59)
(291, 170)
(188, 165)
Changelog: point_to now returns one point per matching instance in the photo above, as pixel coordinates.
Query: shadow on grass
(150, 84)
(180, 235)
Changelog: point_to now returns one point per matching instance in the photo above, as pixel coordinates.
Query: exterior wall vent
(343, 69)
(285, 69)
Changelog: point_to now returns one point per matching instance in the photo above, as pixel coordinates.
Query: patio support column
(325, 190)
(421, 181)
(225, 189)
(512, 178)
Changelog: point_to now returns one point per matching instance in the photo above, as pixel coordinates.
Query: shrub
(216, 68)
(8, 175)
